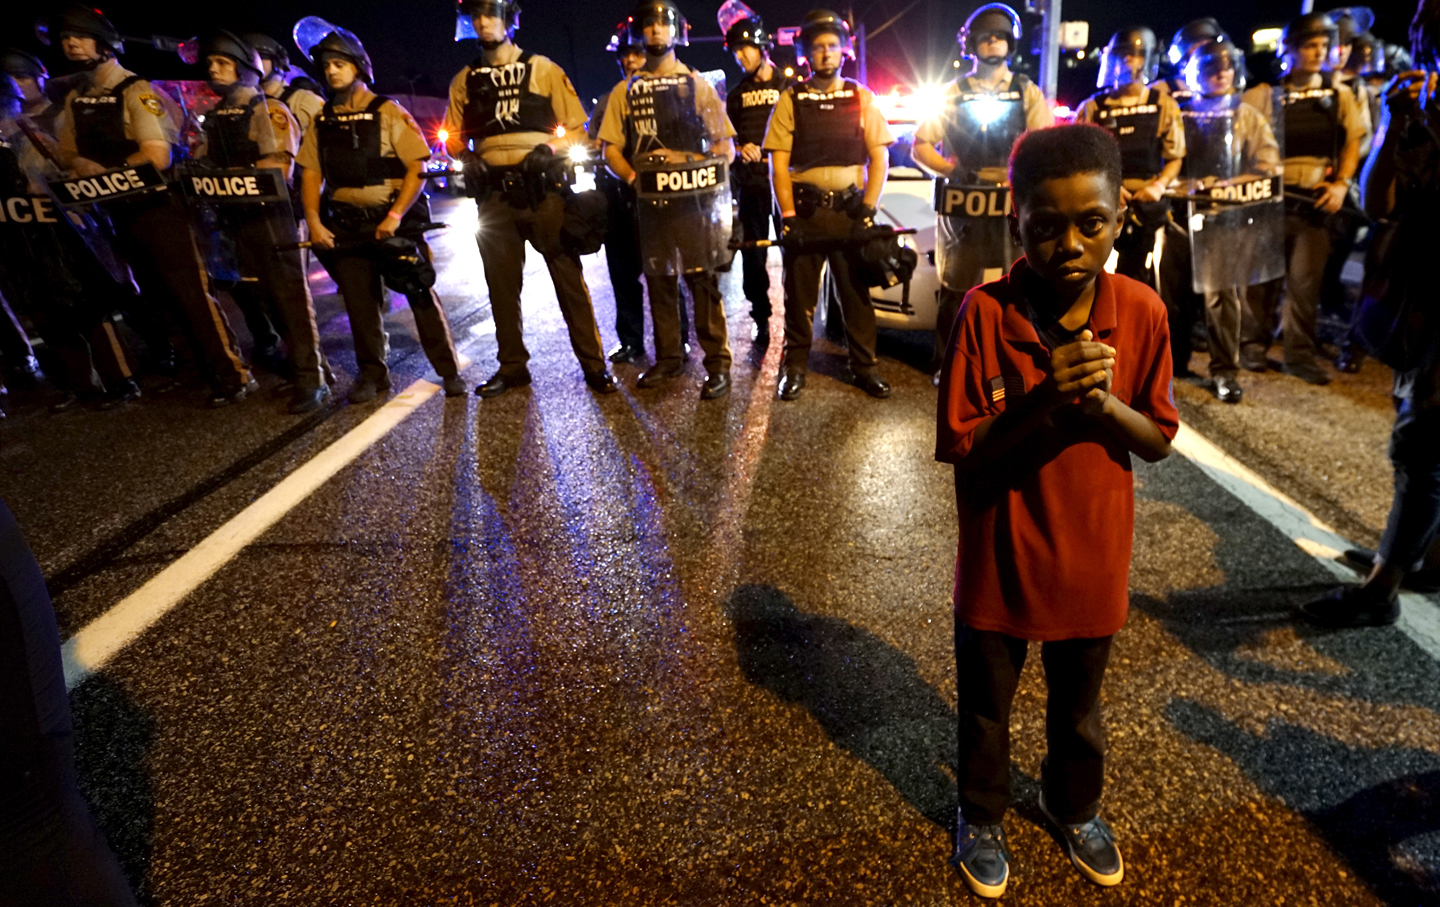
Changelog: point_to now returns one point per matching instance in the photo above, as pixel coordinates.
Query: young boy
(1054, 376)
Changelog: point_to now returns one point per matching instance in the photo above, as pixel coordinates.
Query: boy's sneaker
(1092, 848)
(981, 857)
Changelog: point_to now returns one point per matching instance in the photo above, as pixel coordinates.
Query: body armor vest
(829, 127)
(663, 115)
(500, 101)
(750, 104)
(1136, 128)
(1205, 155)
(100, 126)
(981, 142)
(1312, 120)
(227, 134)
(349, 145)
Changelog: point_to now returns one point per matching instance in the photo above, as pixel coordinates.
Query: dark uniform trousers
(15, 350)
(622, 259)
(1177, 289)
(283, 290)
(802, 290)
(757, 213)
(987, 667)
(356, 270)
(154, 236)
(1307, 248)
(1414, 519)
(504, 230)
(710, 327)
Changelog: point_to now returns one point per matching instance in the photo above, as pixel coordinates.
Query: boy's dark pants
(987, 667)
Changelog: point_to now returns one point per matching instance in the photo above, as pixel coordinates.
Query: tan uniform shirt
(780, 136)
(1305, 171)
(597, 116)
(150, 115)
(1171, 130)
(546, 79)
(272, 125)
(1037, 116)
(707, 103)
(400, 136)
(303, 103)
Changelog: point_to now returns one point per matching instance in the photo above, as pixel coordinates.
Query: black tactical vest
(829, 127)
(975, 142)
(349, 145)
(1210, 143)
(663, 114)
(750, 103)
(100, 126)
(501, 101)
(1312, 120)
(227, 134)
(1135, 127)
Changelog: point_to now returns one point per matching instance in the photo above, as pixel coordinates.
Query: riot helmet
(1303, 28)
(21, 65)
(1205, 62)
(650, 12)
(1190, 35)
(507, 11)
(622, 40)
(11, 99)
(1352, 21)
(82, 21)
(749, 32)
(824, 22)
(1115, 68)
(992, 19)
(225, 43)
(269, 49)
(318, 39)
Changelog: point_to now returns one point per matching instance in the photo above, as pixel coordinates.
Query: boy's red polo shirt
(1045, 534)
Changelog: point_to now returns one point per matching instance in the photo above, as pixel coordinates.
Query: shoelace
(1095, 828)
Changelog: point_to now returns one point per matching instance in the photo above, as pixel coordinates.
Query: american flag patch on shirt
(1008, 385)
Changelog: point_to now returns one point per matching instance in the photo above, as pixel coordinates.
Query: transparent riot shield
(684, 215)
(234, 202)
(972, 234)
(1235, 200)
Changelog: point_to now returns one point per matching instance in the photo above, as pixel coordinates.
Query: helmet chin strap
(493, 45)
(828, 72)
(992, 60)
(657, 50)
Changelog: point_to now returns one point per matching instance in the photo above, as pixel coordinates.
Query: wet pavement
(644, 649)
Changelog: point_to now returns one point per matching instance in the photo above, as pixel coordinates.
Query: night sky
(413, 40)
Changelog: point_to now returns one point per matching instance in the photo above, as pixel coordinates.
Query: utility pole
(1050, 48)
(861, 68)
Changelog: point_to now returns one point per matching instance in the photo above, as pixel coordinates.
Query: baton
(415, 233)
(825, 243)
(1344, 209)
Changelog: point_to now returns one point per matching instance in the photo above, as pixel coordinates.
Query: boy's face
(1068, 227)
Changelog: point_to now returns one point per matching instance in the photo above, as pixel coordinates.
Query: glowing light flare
(559, 132)
(442, 135)
(1262, 40)
(987, 110)
(928, 101)
(578, 154)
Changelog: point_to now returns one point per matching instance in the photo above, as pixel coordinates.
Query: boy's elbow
(1157, 452)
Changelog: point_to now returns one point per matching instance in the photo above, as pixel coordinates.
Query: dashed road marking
(1419, 615)
(100, 640)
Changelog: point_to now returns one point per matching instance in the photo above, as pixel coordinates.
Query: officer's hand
(1078, 367)
(387, 227)
(320, 235)
(789, 226)
(1402, 93)
(864, 218)
(1125, 196)
(750, 153)
(83, 166)
(1331, 196)
(1151, 192)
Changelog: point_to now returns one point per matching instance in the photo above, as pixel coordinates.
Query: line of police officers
(1202, 159)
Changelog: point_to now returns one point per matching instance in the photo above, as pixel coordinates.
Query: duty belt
(810, 197)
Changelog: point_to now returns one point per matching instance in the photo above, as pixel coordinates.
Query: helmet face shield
(470, 10)
(659, 14)
(318, 39)
(1190, 35)
(1130, 57)
(824, 22)
(1214, 68)
(993, 20)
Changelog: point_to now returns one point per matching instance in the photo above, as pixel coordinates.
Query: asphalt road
(644, 649)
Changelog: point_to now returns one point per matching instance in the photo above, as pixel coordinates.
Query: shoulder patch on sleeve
(279, 121)
(152, 104)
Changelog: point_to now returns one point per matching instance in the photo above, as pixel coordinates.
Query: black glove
(476, 173)
(789, 226)
(539, 161)
(864, 218)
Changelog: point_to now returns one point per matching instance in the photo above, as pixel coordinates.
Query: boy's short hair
(1061, 151)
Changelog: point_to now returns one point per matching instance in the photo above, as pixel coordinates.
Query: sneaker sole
(979, 887)
(1105, 880)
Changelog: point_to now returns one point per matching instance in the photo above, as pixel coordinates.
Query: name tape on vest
(235, 186)
(122, 182)
(683, 179)
(971, 201)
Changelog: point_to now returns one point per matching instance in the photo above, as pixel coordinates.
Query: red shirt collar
(1016, 327)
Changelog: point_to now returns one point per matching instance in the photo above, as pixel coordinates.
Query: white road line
(1419, 616)
(101, 639)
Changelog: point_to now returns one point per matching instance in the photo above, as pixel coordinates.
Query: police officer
(520, 114)
(297, 95)
(367, 152)
(1189, 36)
(749, 105)
(828, 146)
(248, 129)
(1324, 129)
(1146, 123)
(668, 114)
(115, 118)
(985, 111)
(30, 75)
(1228, 141)
(622, 246)
(1350, 23)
